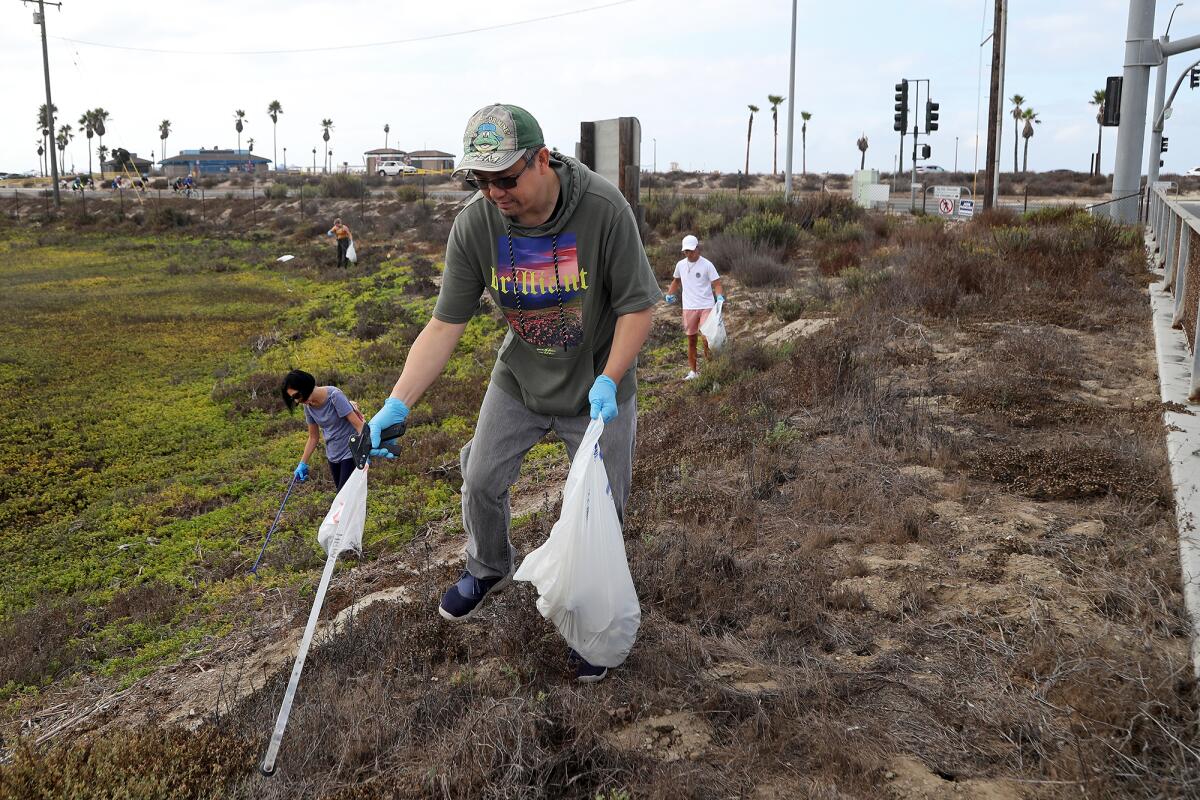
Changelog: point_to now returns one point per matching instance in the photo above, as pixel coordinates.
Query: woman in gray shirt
(325, 409)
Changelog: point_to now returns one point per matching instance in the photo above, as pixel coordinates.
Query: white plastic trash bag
(714, 327)
(581, 573)
(350, 254)
(342, 528)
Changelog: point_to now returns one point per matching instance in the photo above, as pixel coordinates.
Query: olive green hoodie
(561, 285)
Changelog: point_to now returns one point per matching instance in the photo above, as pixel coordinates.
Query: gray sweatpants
(492, 460)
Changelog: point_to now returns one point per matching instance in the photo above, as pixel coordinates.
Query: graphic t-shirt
(696, 279)
(331, 417)
(560, 285)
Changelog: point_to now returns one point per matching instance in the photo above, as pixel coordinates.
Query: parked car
(395, 168)
(1194, 171)
(929, 168)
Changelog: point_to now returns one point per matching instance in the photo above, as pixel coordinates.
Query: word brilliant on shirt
(529, 281)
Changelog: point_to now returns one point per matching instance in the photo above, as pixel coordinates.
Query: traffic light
(1163, 148)
(901, 118)
(926, 150)
(931, 115)
(1110, 112)
(1194, 80)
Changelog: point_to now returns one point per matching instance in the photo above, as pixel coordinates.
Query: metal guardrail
(1174, 236)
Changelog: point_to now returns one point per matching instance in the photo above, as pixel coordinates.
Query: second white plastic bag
(351, 253)
(581, 572)
(714, 327)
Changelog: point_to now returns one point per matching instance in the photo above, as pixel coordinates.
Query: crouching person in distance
(557, 249)
(326, 410)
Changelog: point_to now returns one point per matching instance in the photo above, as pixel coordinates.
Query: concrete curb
(1183, 449)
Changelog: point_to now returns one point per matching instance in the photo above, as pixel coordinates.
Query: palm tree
(749, 128)
(273, 111)
(99, 118)
(386, 130)
(44, 121)
(164, 130)
(86, 121)
(775, 100)
(41, 161)
(1017, 101)
(1098, 102)
(63, 138)
(805, 116)
(102, 151)
(1030, 117)
(326, 125)
(239, 121)
(863, 144)
(250, 144)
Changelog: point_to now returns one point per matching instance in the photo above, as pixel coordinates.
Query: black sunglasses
(299, 398)
(506, 183)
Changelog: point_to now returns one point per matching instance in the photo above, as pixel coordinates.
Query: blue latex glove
(393, 413)
(720, 298)
(301, 472)
(603, 398)
(670, 298)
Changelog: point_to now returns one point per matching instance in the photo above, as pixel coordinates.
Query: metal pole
(956, 154)
(1141, 52)
(1156, 131)
(1002, 48)
(49, 103)
(791, 101)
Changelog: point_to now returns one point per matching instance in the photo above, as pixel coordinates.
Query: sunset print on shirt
(538, 319)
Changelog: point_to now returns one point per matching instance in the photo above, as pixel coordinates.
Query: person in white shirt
(699, 280)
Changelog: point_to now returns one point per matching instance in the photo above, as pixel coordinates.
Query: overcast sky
(686, 68)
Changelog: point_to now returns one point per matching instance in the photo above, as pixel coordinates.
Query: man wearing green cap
(557, 249)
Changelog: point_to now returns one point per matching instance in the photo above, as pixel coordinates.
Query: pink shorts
(693, 318)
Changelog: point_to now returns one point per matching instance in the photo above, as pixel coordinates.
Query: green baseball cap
(496, 136)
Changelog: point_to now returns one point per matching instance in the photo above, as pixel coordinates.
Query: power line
(389, 43)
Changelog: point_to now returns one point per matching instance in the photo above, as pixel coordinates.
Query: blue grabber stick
(271, 530)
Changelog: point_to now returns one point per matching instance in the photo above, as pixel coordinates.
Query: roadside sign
(952, 192)
(946, 207)
(966, 208)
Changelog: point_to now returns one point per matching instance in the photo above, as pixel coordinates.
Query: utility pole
(1156, 129)
(1141, 53)
(40, 19)
(791, 101)
(991, 181)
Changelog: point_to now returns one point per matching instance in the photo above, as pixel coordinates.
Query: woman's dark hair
(301, 382)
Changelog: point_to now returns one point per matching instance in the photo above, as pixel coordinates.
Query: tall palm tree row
(164, 130)
(1098, 101)
(386, 130)
(863, 144)
(775, 100)
(326, 126)
(273, 111)
(749, 128)
(239, 121)
(86, 122)
(805, 116)
(99, 120)
(62, 139)
(1030, 118)
(1018, 101)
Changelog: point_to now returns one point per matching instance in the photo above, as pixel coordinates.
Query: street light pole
(654, 165)
(791, 101)
(1140, 55)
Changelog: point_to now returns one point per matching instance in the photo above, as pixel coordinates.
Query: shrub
(276, 191)
(170, 217)
(768, 229)
(408, 193)
(764, 269)
(833, 256)
(342, 185)
(788, 307)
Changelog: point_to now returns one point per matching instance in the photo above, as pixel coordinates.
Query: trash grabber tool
(271, 530)
(360, 443)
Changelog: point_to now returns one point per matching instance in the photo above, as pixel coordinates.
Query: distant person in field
(556, 249)
(700, 282)
(343, 241)
(326, 410)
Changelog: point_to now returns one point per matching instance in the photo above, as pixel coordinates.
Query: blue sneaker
(585, 672)
(464, 598)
